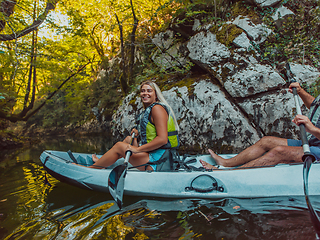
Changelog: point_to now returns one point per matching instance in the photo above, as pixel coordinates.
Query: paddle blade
(116, 183)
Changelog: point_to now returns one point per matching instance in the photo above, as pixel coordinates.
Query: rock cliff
(239, 99)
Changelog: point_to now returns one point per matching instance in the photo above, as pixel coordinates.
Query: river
(31, 209)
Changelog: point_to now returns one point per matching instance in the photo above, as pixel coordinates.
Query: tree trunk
(123, 77)
(132, 46)
(18, 117)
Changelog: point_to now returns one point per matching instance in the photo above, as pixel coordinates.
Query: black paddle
(307, 158)
(117, 176)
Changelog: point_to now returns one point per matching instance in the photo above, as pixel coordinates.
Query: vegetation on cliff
(52, 75)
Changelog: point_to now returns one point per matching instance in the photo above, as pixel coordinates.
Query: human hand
(135, 131)
(301, 119)
(295, 85)
(132, 148)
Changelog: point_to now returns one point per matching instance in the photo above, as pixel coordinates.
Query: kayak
(267, 181)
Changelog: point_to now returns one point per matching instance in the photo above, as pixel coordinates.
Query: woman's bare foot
(94, 158)
(207, 166)
(219, 160)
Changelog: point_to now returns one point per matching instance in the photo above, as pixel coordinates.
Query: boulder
(256, 32)
(205, 49)
(238, 101)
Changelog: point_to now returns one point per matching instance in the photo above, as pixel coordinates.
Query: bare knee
(127, 139)
(285, 154)
(269, 142)
(265, 142)
(279, 150)
(119, 148)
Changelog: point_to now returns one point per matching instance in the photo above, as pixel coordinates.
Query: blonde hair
(160, 98)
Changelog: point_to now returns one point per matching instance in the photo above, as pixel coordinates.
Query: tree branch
(51, 4)
(17, 117)
(6, 8)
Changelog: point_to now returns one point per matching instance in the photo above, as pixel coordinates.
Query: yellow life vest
(147, 129)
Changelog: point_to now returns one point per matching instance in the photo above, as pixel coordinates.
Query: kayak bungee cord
(307, 158)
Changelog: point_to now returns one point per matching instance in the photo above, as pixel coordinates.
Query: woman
(157, 128)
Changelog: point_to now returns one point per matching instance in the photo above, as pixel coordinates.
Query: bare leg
(94, 158)
(280, 154)
(110, 157)
(118, 151)
(127, 140)
(253, 152)
(207, 166)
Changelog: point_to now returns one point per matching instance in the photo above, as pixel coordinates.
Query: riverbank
(9, 140)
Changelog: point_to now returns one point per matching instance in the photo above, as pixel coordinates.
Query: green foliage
(93, 33)
(314, 88)
(296, 38)
(227, 33)
(2, 96)
(206, 11)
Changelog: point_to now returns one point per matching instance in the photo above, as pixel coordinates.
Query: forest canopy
(53, 74)
(44, 62)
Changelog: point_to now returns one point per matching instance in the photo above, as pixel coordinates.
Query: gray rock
(242, 41)
(206, 49)
(304, 73)
(164, 39)
(253, 79)
(281, 12)
(264, 3)
(273, 113)
(174, 56)
(257, 33)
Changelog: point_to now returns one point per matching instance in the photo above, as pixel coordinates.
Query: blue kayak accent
(270, 181)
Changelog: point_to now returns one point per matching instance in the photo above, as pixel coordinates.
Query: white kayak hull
(279, 180)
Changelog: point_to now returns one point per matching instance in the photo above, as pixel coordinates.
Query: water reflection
(30, 209)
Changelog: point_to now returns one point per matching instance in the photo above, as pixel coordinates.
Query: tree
(26, 67)
(118, 21)
(35, 67)
(7, 9)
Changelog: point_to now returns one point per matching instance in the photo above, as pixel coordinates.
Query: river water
(31, 209)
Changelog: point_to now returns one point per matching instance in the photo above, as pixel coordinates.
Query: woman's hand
(133, 149)
(135, 131)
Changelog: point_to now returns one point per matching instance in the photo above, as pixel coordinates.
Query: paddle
(117, 176)
(307, 158)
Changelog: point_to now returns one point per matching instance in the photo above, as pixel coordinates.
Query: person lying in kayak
(158, 131)
(273, 150)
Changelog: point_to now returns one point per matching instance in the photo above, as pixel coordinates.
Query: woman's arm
(159, 117)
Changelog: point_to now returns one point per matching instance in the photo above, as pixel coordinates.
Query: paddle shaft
(303, 133)
(117, 176)
(307, 158)
(129, 152)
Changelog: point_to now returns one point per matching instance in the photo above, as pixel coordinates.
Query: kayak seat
(166, 163)
(87, 161)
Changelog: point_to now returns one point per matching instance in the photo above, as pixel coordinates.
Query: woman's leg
(127, 140)
(140, 159)
(118, 151)
(110, 157)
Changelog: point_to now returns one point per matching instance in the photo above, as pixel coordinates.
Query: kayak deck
(279, 180)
